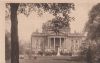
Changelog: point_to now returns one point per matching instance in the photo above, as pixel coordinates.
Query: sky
(28, 25)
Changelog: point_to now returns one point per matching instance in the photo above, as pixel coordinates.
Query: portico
(55, 42)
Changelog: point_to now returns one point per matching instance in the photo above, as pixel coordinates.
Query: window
(76, 41)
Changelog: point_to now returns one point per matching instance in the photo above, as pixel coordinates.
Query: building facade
(49, 41)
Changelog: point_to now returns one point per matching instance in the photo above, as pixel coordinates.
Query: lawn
(50, 59)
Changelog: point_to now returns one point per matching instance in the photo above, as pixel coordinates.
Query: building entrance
(57, 44)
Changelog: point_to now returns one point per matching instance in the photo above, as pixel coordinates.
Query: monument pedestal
(58, 52)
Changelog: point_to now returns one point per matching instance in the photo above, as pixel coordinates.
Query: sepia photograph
(52, 32)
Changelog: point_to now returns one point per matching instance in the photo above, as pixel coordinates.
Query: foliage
(50, 53)
(40, 53)
(59, 24)
(53, 8)
(40, 8)
(60, 21)
(65, 53)
(7, 46)
(56, 9)
(93, 32)
(93, 24)
(21, 49)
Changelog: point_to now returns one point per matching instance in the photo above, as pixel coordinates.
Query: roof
(76, 34)
(61, 34)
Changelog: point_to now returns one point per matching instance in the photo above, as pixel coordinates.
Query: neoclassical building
(47, 40)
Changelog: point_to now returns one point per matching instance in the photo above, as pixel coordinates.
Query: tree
(26, 8)
(56, 9)
(21, 49)
(7, 46)
(93, 25)
(93, 31)
(14, 33)
(58, 24)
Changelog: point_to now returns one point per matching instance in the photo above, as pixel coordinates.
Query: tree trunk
(91, 54)
(14, 33)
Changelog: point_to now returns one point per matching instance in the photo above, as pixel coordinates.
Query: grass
(50, 59)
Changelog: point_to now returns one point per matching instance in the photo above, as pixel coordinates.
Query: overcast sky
(27, 25)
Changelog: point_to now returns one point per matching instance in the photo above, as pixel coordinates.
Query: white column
(54, 42)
